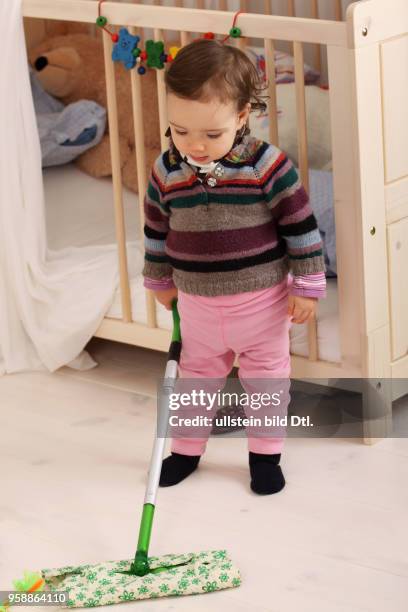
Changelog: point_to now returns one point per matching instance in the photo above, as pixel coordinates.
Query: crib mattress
(79, 212)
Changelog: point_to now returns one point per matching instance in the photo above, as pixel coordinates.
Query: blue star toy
(125, 49)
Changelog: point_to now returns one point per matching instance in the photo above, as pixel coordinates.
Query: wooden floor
(74, 452)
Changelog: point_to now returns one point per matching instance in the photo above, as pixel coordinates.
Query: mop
(146, 577)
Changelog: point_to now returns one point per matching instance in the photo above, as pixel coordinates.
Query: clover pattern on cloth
(104, 584)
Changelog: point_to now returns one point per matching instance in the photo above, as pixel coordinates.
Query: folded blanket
(65, 132)
(322, 202)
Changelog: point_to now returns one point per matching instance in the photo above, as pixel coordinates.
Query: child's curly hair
(207, 68)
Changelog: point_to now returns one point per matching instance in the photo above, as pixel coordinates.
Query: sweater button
(211, 181)
(219, 170)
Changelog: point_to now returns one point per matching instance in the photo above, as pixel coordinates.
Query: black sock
(176, 468)
(266, 473)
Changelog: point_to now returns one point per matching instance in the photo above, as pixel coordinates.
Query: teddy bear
(70, 67)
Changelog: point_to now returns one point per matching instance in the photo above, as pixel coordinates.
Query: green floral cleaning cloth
(104, 583)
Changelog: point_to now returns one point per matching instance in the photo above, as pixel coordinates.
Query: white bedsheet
(79, 212)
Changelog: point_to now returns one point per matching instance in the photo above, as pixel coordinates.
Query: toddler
(229, 231)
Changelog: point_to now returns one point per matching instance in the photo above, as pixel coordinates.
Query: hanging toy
(155, 54)
(234, 32)
(172, 53)
(101, 22)
(126, 49)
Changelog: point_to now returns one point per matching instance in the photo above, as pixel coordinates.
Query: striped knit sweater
(241, 229)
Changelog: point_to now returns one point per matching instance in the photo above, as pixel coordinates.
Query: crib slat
(137, 107)
(165, 34)
(138, 124)
(161, 92)
(291, 8)
(117, 179)
(223, 5)
(242, 42)
(339, 10)
(303, 163)
(141, 33)
(301, 113)
(272, 101)
(180, 4)
(184, 38)
(312, 340)
(318, 57)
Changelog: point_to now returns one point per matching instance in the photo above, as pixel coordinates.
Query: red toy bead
(209, 35)
(169, 58)
(143, 55)
(114, 38)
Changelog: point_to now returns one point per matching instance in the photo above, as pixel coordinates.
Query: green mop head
(108, 583)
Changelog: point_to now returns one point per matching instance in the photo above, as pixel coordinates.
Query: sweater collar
(204, 168)
(238, 153)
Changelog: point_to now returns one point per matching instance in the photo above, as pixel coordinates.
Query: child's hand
(301, 308)
(166, 297)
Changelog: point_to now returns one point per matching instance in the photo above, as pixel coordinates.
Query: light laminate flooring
(74, 452)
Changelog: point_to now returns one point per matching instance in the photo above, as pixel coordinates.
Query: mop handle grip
(176, 337)
(175, 346)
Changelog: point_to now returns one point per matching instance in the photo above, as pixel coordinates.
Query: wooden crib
(369, 128)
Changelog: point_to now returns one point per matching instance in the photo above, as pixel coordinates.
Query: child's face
(204, 131)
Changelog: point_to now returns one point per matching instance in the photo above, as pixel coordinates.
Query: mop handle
(140, 563)
(170, 377)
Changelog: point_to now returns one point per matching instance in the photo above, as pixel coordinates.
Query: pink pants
(255, 326)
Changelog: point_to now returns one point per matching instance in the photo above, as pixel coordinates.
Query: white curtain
(51, 302)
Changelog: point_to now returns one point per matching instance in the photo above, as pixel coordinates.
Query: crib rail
(305, 30)
(293, 29)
